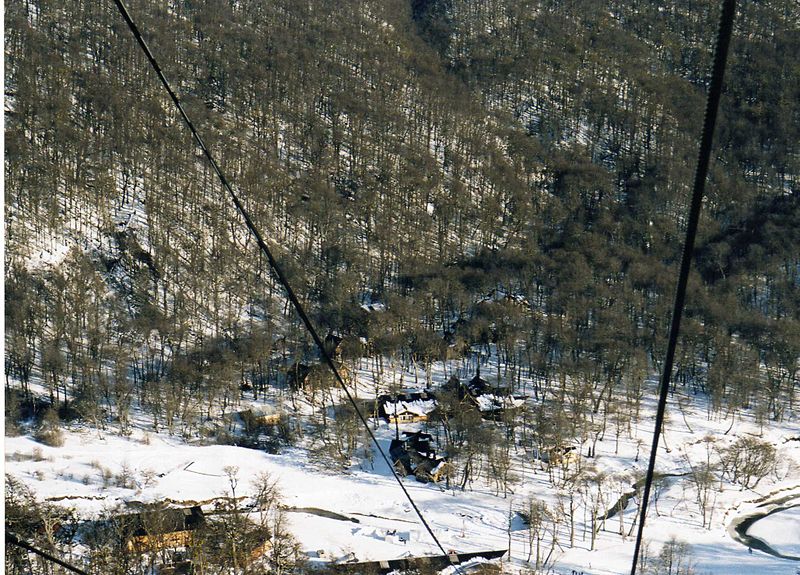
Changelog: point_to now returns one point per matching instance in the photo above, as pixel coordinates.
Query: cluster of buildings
(413, 454)
(490, 401)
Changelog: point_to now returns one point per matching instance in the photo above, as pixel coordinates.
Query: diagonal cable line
(712, 106)
(14, 540)
(268, 253)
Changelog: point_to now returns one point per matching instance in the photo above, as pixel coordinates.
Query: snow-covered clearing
(166, 469)
(83, 474)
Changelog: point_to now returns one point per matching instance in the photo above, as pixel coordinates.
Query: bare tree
(748, 460)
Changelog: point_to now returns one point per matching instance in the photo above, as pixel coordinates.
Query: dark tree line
(509, 173)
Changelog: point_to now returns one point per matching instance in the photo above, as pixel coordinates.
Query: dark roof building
(160, 528)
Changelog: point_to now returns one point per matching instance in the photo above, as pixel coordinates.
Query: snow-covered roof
(491, 402)
(417, 407)
(263, 410)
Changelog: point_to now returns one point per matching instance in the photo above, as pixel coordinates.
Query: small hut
(160, 529)
(261, 416)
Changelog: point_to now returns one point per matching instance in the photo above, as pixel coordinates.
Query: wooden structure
(406, 408)
(558, 455)
(491, 401)
(160, 529)
(405, 415)
(414, 455)
(434, 469)
(435, 562)
(478, 386)
(262, 416)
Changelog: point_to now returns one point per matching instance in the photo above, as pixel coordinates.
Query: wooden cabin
(493, 406)
(406, 408)
(419, 441)
(564, 455)
(161, 529)
(404, 415)
(414, 455)
(558, 455)
(432, 469)
(262, 416)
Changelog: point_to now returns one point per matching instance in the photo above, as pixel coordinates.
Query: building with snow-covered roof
(491, 403)
(414, 455)
(407, 408)
(259, 416)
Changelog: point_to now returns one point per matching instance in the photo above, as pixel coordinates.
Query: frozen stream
(781, 530)
(776, 530)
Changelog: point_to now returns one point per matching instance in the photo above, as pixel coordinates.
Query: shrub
(124, 478)
(49, 429)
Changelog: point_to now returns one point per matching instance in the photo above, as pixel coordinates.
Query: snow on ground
(87, 473)
(781, 530)
(167, 469)
(50, 257)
